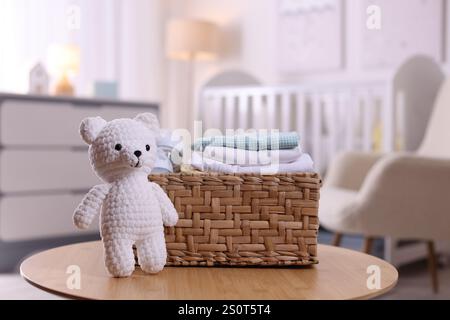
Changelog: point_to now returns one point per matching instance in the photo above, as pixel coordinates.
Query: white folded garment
(303, 164)
(249, 157)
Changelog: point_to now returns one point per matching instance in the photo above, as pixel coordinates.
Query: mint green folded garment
(254, 142)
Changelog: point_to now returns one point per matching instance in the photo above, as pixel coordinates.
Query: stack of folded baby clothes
(251, 153)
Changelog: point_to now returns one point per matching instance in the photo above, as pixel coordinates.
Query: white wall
(249, 28)
(141, 63)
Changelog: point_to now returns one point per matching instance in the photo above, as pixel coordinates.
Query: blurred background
(362, 81)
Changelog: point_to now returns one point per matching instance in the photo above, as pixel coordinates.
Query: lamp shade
(64, 59)
(188, 39)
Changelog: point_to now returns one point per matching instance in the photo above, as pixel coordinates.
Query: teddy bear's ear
(149, 120)
(90, 128)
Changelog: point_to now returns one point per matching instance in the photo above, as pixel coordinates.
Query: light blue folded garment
(162, 163)
(165, 145)
(254, 142)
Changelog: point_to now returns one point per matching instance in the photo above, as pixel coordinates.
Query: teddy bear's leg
(152, 254)
(119, 257)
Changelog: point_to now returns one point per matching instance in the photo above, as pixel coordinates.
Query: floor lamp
(191, 41)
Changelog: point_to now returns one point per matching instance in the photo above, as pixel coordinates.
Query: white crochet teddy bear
(133, 209)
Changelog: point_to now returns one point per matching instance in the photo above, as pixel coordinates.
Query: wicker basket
(242, 220)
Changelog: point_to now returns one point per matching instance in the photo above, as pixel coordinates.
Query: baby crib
(380, 115)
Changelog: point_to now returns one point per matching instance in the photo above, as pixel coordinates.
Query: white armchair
(405, 196)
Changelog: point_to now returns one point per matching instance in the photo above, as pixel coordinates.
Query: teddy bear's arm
(90, 206)
(168, 212)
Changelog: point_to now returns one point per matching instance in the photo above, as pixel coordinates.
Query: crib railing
(328, 118)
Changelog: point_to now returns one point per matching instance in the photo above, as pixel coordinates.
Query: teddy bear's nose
(137, 153)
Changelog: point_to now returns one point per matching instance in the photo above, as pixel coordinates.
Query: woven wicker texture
(242, 219)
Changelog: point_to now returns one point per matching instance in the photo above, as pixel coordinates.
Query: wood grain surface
(341, 274)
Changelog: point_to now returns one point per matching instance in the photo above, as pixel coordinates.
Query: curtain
(119, 40)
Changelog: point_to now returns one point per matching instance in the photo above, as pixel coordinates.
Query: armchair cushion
(348, 170)
(406, 196)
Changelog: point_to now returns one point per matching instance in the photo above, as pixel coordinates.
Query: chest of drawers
(44, 166)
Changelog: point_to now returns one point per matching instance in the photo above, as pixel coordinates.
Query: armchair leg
(337, 238)
(367, 245)
(432, 265)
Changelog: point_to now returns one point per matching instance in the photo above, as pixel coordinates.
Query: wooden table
(341, 274)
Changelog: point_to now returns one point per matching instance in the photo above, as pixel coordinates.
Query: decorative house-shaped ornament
(39, 80)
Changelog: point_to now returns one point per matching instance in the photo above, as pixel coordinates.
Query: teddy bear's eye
(147, 147)
(118, 147)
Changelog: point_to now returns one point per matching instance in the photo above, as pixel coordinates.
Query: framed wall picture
(421, 31)
(310, 35)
